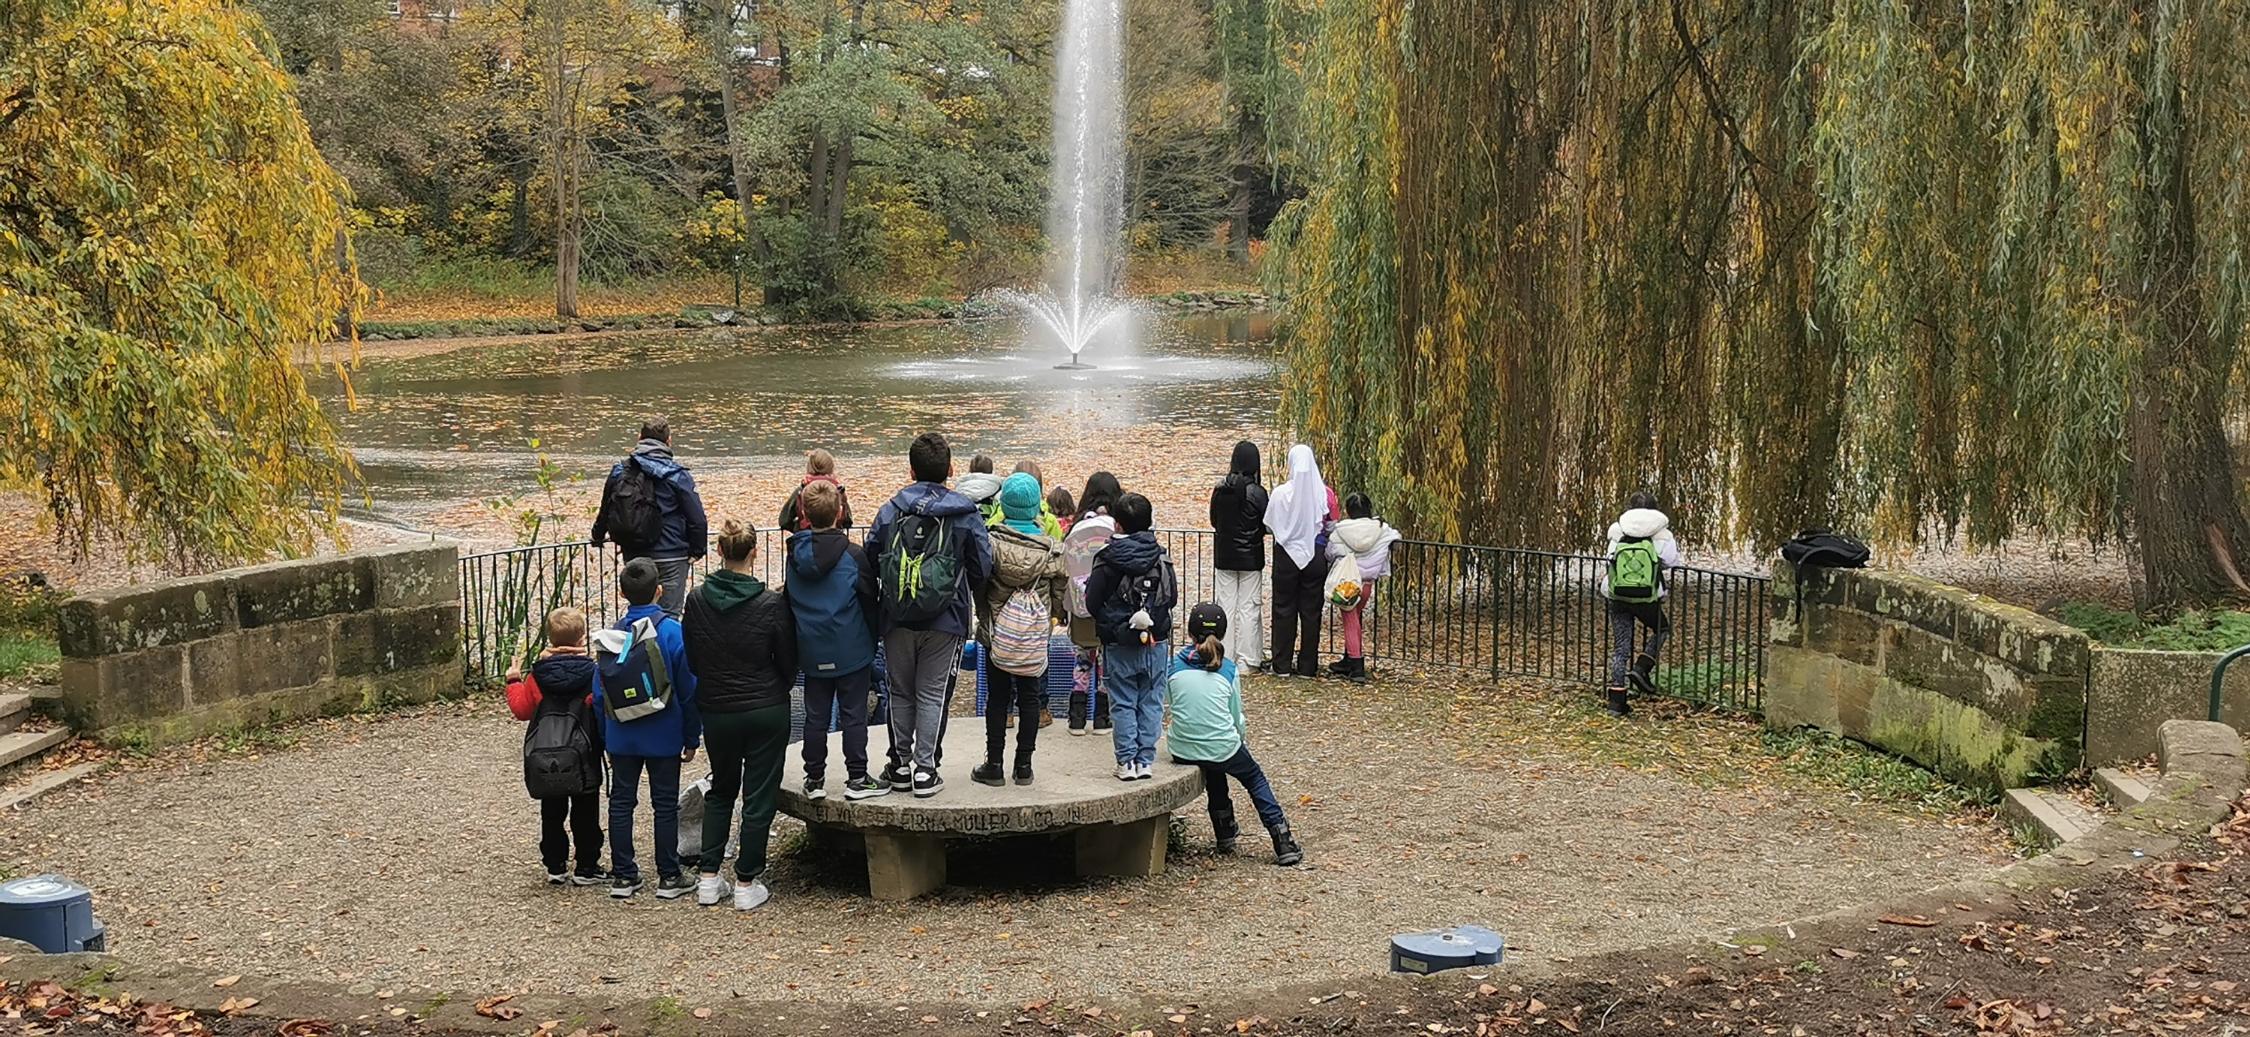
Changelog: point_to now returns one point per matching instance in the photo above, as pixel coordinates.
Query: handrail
(2219, 676)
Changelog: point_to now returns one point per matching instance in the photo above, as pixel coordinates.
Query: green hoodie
(727, 589)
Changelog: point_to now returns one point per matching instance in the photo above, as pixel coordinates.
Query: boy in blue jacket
(831, 594)
(639, 734)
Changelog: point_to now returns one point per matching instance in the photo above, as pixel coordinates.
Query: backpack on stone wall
(1825, 549)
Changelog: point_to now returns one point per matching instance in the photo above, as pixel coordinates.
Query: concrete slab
(43, 782)
(1075, 790)
(2058, 818)
(2124, 790)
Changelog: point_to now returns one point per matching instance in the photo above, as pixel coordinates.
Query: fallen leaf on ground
(1843, 952)
(702, 1013)
(1916, 921)
(237, 1005)
(226, 981)
(497, 1007)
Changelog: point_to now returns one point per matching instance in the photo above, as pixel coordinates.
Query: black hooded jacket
(1126, 558)
(741, 643)
(1238, 513)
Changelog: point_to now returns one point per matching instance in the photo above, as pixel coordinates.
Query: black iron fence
(1494, 611)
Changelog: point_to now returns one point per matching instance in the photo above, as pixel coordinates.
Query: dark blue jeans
(624, 796)
(1243, 768)
(830, 700)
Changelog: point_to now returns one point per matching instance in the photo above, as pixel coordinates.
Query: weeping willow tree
(1933, 269)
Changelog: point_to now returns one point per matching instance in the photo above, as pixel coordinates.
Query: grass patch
(2214, 630)
(1869, 773)
(27, 628)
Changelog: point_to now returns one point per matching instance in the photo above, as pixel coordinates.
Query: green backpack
(921, 572)
(1635, 572)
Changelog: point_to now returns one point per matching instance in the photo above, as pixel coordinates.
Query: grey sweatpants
(922, 665)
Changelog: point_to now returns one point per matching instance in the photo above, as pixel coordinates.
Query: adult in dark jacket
(1238, 556)
(923, 655)
(742, 647)
(1136, 645)
(682, 532)
(832, 597)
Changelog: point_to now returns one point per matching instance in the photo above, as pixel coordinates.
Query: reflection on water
(455, 426)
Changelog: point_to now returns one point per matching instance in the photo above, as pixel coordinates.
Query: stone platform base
(1119, 828)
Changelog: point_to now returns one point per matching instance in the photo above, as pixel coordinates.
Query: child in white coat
(1360, 550)
(1641, 548)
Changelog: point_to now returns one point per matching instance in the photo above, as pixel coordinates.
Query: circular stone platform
(1119, 827)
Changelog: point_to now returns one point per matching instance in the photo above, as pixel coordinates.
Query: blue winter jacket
(685, 532)
(831, 592)
(678, 726)
(933, 499)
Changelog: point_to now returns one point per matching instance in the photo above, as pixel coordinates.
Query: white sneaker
(711, 889)
(1143, 772)
(1124, 772)
(751, 894)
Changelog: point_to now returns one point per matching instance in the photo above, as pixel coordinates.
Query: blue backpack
(634, 682)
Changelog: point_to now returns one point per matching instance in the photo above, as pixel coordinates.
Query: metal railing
(1499, 612)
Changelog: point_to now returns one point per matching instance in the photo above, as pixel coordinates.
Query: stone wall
(1982, 692)
(2134, 692)
(170, 661)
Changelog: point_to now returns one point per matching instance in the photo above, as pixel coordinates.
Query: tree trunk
(730, 108)
(1248, 146)
(2187, 510)
(840, 178)
(564, 161)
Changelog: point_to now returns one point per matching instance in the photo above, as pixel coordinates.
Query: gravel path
(399, 853)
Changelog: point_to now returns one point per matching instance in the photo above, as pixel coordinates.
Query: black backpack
(921, 572)
(631, 511)
(558, 752)
(1825, 549)
(1157, 591)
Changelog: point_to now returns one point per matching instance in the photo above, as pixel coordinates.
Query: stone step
(42, 782)
(20, 749)
(15, 708)
(2125, 790)
(2055, 817)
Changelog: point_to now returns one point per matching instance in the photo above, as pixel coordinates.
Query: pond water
(434, 432)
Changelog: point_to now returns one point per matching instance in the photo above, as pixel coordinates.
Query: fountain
(1086, 207)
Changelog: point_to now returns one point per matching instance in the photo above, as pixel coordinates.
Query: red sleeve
(1335, 513)
(523, 697)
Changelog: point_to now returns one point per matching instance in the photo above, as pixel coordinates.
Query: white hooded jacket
(1368, 541)
(1651, 525)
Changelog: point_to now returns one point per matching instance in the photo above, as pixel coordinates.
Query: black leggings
(1026, 694)
(1296, 610)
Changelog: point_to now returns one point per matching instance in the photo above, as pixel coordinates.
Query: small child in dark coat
(559, 689)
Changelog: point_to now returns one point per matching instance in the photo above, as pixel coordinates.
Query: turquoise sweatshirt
(1207, 724)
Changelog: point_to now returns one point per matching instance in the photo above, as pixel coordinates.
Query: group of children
(1003, 560)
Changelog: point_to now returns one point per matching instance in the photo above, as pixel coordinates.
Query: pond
(435, 434)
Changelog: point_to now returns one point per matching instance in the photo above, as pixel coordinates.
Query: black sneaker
(621, 887)
(1023, 772)
(1341, 667)
(898, 777)
(558, 878)
(673, 887)
(1101, 725)
(989, 773)
(816, 788)
(1278, 670)
(864, 787)
(927, 784)
(588, 877)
